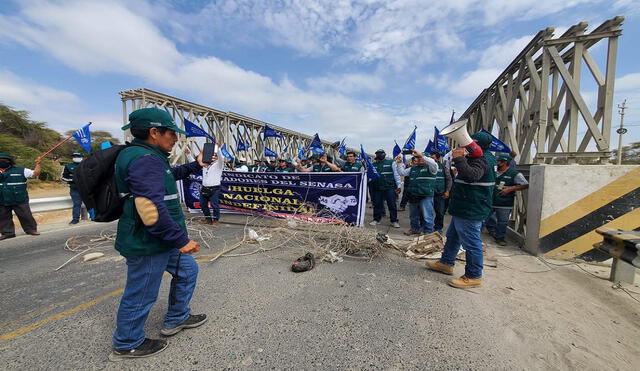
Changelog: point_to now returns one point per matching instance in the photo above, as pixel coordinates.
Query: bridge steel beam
(227, 127)
(538, 104)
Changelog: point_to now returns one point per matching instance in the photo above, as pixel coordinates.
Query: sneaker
(374, 223)
(304, 263)
(33, 233)
(401, 208)
(410, 232)
(465, 282)
(74, 222)
(395, 225)
(148, 348)
(439, 267)
(501, 242)
(191, 322)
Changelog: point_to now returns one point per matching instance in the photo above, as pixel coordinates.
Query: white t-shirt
(28, 173)
(212, 174)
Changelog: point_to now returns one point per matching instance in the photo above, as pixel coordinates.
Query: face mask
(77, 159)
(5, 164)
(380, 156)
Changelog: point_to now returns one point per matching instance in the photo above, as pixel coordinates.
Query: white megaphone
(458, 132)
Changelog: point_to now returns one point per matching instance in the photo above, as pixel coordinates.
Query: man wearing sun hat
(152, 235)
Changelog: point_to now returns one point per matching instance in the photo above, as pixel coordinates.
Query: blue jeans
(421, 215)
(378, 197)
(464, 232)
(439, 205)
(497, 222)
(214, 199)
(144, 275)
(77, 203)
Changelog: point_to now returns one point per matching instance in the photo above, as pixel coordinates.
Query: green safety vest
(440, 185)
(319, 168)
(386, 180)
(355, 167)
(421, 181)
(132, 236)
(13, 187)
(72, 167)
(505, 180)
(284, 170)
(252, 168)
(474, 201)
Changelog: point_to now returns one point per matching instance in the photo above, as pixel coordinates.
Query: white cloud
(472, 83)
(347, 83)
(628, 82)
(15, 91)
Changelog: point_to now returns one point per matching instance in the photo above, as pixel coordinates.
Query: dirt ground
(48, 189)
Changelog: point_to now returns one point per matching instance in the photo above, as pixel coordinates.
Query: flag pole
(54, 148)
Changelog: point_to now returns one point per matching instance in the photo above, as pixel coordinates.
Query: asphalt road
(387, 314)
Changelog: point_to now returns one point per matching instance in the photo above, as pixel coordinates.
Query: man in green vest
(152, 235)
(385, 189)
(14, 197)
(508, 182)
(284, 166)
(67, 176)
(441, 191)
(351, 165)
(324, 165)
(422, 182)
(470, 205)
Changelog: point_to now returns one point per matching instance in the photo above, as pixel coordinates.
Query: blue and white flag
(430, 147)
(440, 142)
(242, 146)
(496, 144)
(269, 132)
(396, 150)
(194, 130)
(269, 153)
(300, 152)
(225, 152)
(284, 151)
(83, 136)
(411, 141)
(343, 147)
(372, 173)
(316, 145)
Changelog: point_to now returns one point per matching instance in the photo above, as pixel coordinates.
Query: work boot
(465, 283)
(191, 322)
(33, 233)
(215, 223)
(410, 232)
(148, 348)
(207, 222)
(74, 222)
(501, 242)
(439, 267)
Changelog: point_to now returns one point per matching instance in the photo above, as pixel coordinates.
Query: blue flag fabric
(430, 147)
(225, 152)
(284, 151)
(316, 145)
(269, 132)
(83, 136)
(242, 146)
(496, 144)
(411, 141)
(269, 153)
(372, 173)
(300, 151)
(343, 147)
(396, 150)
(194, 130)
(440, 142)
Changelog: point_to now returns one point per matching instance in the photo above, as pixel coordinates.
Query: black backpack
(96, 183)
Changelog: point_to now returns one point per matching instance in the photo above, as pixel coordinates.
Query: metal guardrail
(50, 204)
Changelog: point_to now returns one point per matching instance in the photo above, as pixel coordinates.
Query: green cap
(483, 139)
(504, 157)
(380, 151)
(152, 118)
(6, 156)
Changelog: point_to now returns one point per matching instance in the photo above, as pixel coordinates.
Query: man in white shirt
(14, 197)
(210, 191)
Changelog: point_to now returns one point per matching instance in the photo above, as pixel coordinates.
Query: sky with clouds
(365, 69)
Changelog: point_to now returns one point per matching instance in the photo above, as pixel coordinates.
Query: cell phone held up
(208, 150)
(407, 151)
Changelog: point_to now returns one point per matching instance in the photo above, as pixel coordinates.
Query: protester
(385, 189)
(324, 165)
(284, 166)
(152, 235)
(14, 197)
(67, 176)
(441, 192)
(210, 191)
(422, 178)
(508, 182)
(351, 165)
(405, 186)
(254, 168)
(240, 164)
(470, 205)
